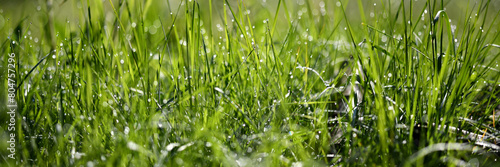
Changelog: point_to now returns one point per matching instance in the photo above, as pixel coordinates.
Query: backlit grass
(253, 83)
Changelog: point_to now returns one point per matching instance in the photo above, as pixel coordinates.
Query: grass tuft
(252, 83)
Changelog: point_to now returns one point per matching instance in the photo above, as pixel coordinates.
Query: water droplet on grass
(58, 127)
(132, 145)
(127, 130)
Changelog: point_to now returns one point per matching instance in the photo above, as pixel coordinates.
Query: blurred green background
(37, 13)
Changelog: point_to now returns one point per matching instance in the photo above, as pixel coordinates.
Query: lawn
(249, 83)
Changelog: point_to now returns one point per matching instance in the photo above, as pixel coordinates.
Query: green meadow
(250, 83)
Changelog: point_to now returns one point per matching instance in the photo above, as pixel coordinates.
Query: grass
(253, 83)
